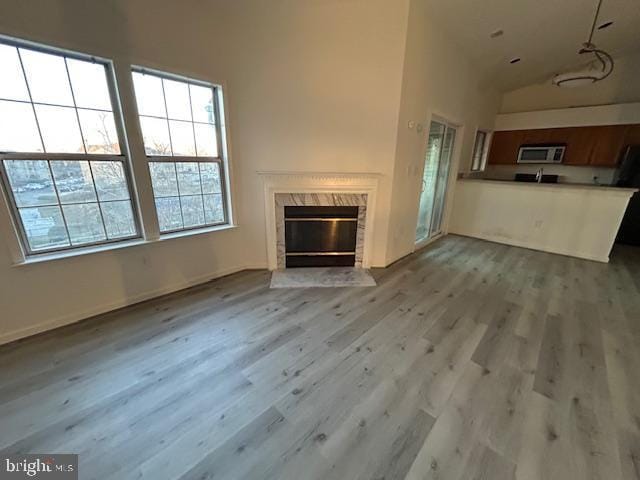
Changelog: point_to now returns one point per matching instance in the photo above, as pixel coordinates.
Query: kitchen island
(569, 219)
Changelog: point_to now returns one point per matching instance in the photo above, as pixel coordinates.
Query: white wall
(437, 80)
(614, 114)
(621, 87)
(309, 86)
(569, 220)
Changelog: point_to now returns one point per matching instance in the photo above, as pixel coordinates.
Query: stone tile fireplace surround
(283, 189)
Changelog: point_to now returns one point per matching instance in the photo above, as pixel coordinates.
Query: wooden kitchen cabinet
(580, 142)
(599, 146)
(505, 146)
(632, 135)
(545, 135)
(606, 144)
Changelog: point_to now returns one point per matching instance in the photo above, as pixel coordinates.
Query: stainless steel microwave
(541, 154)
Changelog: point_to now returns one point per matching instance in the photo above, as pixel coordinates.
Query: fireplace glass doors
(320, 236)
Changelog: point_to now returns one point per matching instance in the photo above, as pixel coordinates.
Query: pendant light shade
(599, 67)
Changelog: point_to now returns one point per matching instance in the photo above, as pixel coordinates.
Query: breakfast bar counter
(569, 219)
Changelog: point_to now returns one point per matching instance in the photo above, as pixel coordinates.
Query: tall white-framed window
(62, 149)
(181, 121)
(480, 150)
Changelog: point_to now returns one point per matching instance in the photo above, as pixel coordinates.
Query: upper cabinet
(504, 147)
(599, 146)
(606, 145)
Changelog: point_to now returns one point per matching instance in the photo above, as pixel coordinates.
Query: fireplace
(320, 236)
(339, 195)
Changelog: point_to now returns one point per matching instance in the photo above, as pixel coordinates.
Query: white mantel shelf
(295, 182)
(320, 176)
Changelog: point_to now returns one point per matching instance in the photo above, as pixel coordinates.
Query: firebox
(320, 236)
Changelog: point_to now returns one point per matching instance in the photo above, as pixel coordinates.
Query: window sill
(195, 231)
(43, 258)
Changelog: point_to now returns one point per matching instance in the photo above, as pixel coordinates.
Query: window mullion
(95, 189)
(217, 119)
(193, 127)
(33, 107)
(175, 169)
(204, 213)
(166, 109)
(54, 157)
(55, 189)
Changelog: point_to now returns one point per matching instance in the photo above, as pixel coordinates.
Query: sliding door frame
(454, 163)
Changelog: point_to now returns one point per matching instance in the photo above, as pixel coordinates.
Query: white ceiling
(545, 34)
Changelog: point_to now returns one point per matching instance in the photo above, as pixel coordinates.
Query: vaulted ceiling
(544, 34)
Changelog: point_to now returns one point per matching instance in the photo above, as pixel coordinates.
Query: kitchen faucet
(539, 175)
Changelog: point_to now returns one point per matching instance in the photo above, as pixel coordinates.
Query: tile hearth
(322, 277)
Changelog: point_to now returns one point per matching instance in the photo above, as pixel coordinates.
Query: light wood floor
(469, 360)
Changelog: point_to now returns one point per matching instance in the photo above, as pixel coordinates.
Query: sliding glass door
(435, 178)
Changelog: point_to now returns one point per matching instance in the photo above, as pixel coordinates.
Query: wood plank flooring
(469, 360)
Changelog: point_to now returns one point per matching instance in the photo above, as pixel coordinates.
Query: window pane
(478, 150)
(84, 223)
(210, 174)
(89, 83)
(156, 136)
(206, 140)
(188, 178)
(177, 95)
(47, 77)
(73, 181)
(149, 95)
(31, 182)
(192, 211)
(163, 178)
(44, 227)
(188, 193)
(99, 131)
(110, 181)
(118, 219)
(18, 129)
(12, 84)
(202, 104)
(169, 216)
(182, 138)
(51, 103)
(213, 211)
(59, 127)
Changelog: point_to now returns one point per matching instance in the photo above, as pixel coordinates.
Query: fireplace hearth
(320, 236)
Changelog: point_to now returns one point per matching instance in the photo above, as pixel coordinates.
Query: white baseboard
(533, 246)
(124, 302)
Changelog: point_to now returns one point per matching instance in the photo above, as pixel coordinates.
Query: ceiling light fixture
(599, 68)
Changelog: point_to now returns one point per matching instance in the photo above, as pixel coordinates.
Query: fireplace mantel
(332, 178)
(289, 182)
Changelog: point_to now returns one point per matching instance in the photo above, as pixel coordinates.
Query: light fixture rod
(593, 26)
